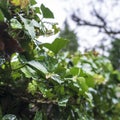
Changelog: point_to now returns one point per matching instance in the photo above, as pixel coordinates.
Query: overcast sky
(87, 36)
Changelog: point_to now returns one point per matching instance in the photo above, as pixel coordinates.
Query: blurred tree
(71, 36)
(106, 23)
(99, 18)
(115, 54)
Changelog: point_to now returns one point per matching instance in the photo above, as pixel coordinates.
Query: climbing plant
(38, 82)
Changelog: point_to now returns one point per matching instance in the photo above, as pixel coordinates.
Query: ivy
(45, 82)
(46, 12)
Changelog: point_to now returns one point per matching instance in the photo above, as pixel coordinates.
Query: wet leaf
(37, 65)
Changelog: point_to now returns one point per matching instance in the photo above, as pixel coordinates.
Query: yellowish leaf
(15, 2)
(21, 3)
(99, 79)
(24, 3)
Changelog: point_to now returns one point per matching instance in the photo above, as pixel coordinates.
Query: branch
(101, 26)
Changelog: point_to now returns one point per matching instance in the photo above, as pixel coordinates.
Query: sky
(87, 37)
(57, 8)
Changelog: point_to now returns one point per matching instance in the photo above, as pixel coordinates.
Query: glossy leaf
(62, 86)
(37, 65)
(57, 78)
(15, 24)
(9, 117)
(29, 26)
(29, 72)
(63, 102)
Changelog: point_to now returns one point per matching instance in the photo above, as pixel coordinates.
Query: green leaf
(57, 78)
(38, 116)
(37, 10)
(90, 81)
(9, 117)
(99, 79)
(29, 72)
(75, 71)
(4, 7)
(46, 12)
(31, 30)
(47, 93)
(56, 45)
(1, 16)
(117, 73)
(15, 75)
(37, 65)
(109, 66)
(2, 60)
(35, 23)
(63, 102)
(32, 87)
(56, 29)
(90, 98)
(82, 83)
(29, 26)
(33, 2)
(60, 90)
(15, 24)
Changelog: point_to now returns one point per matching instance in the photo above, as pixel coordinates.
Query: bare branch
(102, 26)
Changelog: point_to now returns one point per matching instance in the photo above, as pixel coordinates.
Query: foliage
(42, 83)
(115, 54)
(71, 36)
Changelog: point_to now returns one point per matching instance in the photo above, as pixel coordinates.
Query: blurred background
(89, 25)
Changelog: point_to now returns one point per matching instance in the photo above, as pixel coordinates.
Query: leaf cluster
(44, 83)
